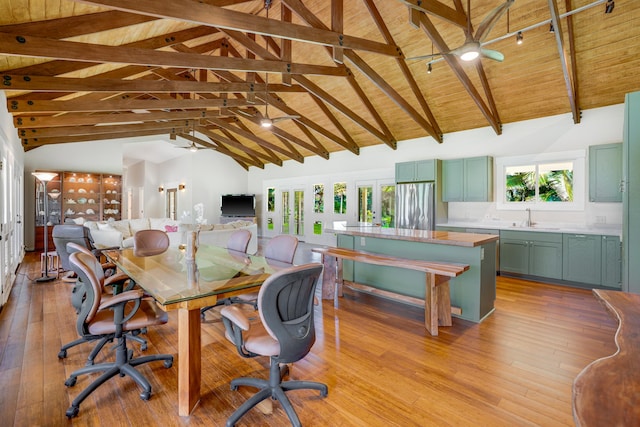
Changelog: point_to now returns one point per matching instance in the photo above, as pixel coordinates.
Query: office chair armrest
(235, 315)
(134, 294)
(117, 278)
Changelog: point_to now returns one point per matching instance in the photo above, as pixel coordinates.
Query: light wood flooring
(382, 368)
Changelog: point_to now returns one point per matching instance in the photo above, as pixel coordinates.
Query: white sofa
(120, 233)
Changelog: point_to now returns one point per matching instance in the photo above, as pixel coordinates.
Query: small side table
(53, 263)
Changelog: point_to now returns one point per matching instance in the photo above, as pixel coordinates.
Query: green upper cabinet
(467, 180)
(605, 173)
(417, 171)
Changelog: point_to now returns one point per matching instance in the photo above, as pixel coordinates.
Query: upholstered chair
(112, 319)
(150, 242)
(285, 334)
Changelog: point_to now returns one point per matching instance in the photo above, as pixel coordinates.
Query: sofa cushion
(123, 227)
(105, 226)
(91, 225)
(138, 224)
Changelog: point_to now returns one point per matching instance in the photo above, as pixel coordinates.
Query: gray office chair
(150, 242)
(237, 244)
(113, 318)
(286, 334)
(71, 233)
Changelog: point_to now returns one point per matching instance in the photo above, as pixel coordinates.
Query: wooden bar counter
(473, 291)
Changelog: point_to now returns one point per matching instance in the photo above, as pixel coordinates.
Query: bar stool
(53, 262)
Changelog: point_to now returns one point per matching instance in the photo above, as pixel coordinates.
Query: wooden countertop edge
(605, 392)
(450, 238)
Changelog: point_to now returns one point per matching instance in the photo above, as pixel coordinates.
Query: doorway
(376, 203)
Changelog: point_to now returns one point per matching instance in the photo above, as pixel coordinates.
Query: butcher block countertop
(425, 236)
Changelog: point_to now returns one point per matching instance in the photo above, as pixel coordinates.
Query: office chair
(78, 296)
(113, 318)
(150, 242)
(238, 242)
(71, 233)
(286, 334)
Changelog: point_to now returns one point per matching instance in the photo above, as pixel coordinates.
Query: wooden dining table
(180, 282)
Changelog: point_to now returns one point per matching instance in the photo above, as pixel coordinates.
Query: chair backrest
(150, 242)
(281, 248)
(85, 266)
(285, 305)
(66, 233)
(239, 240)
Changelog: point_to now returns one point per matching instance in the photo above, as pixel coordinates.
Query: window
(550, 181)
(318, 198)
(340, 198)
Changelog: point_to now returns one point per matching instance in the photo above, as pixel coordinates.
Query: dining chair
(150, 242)
(285, 334)
(112, 319)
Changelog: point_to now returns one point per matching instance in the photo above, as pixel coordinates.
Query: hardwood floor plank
(381, 366)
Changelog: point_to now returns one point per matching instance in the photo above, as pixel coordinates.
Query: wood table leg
(430, 305)
(328, 277)
(444, 304)
(189, 360)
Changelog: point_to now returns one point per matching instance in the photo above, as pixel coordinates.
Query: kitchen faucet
(528, 223)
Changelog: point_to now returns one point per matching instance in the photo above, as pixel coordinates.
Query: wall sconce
(160, 189)
(181, 187)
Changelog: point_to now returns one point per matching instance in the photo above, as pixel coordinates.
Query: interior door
(376, 202)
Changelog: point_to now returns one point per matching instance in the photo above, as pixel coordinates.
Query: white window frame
(579, 181)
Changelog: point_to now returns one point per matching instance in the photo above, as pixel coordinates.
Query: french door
(376, 202)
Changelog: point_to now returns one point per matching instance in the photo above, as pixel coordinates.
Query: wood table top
(425, 236)
(607, 391)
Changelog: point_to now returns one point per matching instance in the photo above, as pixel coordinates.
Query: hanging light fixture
(551, 29)
(429, 68)
(519, 38)
(266, 122)
(608, 8)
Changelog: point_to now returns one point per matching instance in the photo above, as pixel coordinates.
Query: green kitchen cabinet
(531, 253)
(582, 258)
(611, 262)
(605, 173)
(631, 194)
(416, 171)
(468, 180)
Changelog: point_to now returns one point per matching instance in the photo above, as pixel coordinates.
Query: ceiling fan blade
(491, 19)
(492, 54)
(279, 119)
(424, 56)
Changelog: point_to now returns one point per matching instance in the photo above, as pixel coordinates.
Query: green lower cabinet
(582, 258)
(531, 253)
(611, 262)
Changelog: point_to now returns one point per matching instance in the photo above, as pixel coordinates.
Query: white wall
(546, 135)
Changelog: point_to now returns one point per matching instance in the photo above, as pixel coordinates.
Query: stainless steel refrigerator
(415, 206)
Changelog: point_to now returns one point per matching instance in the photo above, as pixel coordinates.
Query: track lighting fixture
(551, 29)
(519, 38)
(608, 8)
(429, 68)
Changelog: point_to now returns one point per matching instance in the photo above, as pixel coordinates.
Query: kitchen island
(473, 292)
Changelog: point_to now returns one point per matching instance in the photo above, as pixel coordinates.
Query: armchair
(122, 313)
(286, 334)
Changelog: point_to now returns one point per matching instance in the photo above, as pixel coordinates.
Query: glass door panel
(376, 203)
(365, 205)
(286, 212)
(298, 212)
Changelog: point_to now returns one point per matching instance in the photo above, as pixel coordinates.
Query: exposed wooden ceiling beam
(40, 47)
(439, 10)
(224, 150)
(266, 154)
(120, 105)
(90, 84)
(562, 51)
(36, 142)
(189, 11)
(97, 130)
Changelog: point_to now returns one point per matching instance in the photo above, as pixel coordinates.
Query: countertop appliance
(415, 206)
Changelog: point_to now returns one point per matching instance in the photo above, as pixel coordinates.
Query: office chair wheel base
(168, 363)
(62, 354)
(143, 347)
(234, 388)
(71, 381)
(145, 395)
(72, 412)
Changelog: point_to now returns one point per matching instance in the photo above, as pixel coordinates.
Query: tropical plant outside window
(340, 198)
(271, 199)
(543, 182)
(388, 205)
(318, 198)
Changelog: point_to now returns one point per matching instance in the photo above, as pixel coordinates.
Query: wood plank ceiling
(206, 72)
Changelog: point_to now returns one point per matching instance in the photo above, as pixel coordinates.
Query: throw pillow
(171, 228)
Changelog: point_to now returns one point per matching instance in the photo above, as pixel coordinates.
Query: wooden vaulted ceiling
(203, 71)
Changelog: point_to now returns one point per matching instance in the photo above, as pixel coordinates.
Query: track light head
(551, 29)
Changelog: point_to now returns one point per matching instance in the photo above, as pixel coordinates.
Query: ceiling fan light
(193, 148)
(266, 122)
(470, 55)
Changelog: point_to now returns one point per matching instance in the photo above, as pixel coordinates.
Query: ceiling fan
(472, 47)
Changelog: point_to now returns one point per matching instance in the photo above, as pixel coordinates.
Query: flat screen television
(238, 205)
